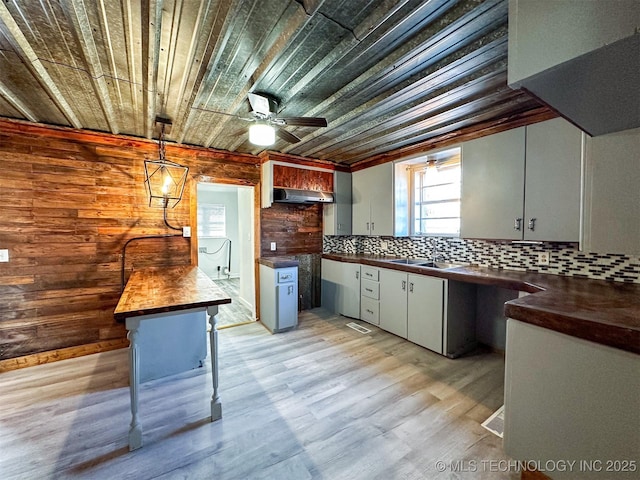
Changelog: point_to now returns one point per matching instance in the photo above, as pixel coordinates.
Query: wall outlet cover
(544, 258)
(186, 231)
(273, 246)
(4, 255)
(384, 245)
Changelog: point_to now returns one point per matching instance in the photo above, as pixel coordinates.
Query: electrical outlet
(384, 245)
(273, 246)
(202, 249)
(4, 255)
(186, 231)
(543, 258)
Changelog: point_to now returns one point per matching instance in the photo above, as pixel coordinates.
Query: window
(211, 220)
(436, 195)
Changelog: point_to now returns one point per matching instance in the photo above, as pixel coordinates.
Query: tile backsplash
(565, 258)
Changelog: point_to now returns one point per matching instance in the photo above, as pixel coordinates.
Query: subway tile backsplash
(565, 258)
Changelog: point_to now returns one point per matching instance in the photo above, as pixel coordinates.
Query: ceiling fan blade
(286, 136)
(305, 121)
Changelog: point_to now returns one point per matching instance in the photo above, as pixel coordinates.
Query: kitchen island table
(157, 293)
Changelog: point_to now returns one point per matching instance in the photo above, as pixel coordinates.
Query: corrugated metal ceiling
(385, 74)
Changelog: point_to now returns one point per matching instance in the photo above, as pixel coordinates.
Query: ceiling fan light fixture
(262, 134)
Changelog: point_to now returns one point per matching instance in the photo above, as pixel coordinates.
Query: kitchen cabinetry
(432, 312)
(412, 307)
(589, 392)
(393, 302)
(341, 287)
(278, 298)
(579, 62)
(523, 184)
(612, 196)
(372, 196)
(337, 216)
(492, 186)
(370, 294)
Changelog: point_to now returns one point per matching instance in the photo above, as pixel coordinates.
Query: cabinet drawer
(370, 273)
(370, 310)
(370, 289)
(286, 275)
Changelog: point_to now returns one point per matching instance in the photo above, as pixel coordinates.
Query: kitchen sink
(417, 262)
(410, 261)
(441, 265)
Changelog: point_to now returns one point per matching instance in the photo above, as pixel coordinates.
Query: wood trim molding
(61, 354)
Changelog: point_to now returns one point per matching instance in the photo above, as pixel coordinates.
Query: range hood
(290, 195)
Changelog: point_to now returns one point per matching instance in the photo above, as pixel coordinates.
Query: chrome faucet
(434, 254)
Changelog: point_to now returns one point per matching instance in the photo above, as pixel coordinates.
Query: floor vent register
(358, 328)
(495, 423)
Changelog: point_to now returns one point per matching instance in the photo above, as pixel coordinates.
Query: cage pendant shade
(164, 182)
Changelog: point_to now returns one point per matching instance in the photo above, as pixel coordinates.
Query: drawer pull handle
(369, 290)
(404, 285)
(370, 311)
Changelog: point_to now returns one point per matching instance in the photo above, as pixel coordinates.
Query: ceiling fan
(264, 111)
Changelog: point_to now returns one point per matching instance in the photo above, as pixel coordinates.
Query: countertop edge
(531, 308)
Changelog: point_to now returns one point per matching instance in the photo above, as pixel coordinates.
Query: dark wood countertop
(278, 262)
(168, 289)
(603, 312)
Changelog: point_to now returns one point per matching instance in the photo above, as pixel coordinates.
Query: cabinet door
(393, 302)
(612, 196)
(493, 186)
(331, 286)
(360, 210)
(337, 216)
(381, 199)
(552, 188)
(349, 305)
(425, 311)
(287, 307)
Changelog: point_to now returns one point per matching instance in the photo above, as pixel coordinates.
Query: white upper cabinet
(580, 57)
(552, 182)
(523, 184)
(612, 193)
(337, 216)
(493, 186)
(372, 196)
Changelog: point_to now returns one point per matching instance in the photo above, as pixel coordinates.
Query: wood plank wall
(70, 200)
(296, 229)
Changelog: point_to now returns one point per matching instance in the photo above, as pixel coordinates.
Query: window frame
(453, 160)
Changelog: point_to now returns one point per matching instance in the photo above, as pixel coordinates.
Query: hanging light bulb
(432, 166)
(262, 134)
(164, 180)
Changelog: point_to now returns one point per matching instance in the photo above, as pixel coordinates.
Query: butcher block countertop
(278, 262)
(167, 289)
(603, 312)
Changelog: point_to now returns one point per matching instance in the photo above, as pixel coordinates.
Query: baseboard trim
(61, 354)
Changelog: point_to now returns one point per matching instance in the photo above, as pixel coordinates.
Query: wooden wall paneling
(71, 201)
(295, 229)
(302, 178)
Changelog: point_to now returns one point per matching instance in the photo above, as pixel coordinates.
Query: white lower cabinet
(393, 302)
(341, 287)
(426, 311)
(370, 294)
(412, 307)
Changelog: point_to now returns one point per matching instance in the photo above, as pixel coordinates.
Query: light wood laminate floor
(235, 312)
(319, 402)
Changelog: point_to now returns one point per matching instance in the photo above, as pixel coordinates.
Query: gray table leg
(135, 430)
(216, 406)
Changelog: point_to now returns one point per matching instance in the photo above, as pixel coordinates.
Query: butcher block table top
(167, 289)
(600, 311)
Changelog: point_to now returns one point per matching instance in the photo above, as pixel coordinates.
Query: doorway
(226, 247)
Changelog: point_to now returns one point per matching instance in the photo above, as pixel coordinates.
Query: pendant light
(164, 180)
